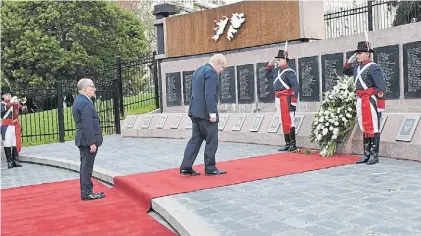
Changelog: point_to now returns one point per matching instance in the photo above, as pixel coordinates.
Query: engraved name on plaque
(412, 69)
(173, 87)
(332, 66)
(388, 60)
(309, 79)
(245, 83)
(265, 92)
(187, 80)
(227, 93)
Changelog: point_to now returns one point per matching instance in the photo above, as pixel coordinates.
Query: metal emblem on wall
(407, 129)
(222, 122)
(161, 122)
(274, 125)
(239, 122)
(146, 122)
(176, 121)
(236, 20)
(130, 121)
(257, 121)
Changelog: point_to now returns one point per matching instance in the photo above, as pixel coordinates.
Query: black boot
(367, 150)
(8, 153)
(374, 155)
(293, 146)
(287, 143)
(15, 156)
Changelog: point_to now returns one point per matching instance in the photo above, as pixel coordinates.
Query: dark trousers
(201, 130)
(87, 160)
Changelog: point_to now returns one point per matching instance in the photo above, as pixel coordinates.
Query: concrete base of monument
(264, 128)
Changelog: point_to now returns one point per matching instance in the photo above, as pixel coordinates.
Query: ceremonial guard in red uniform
(286, 88)
(370, 86)
(10, 127)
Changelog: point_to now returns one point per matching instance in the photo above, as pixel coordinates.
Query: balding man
(88, 136)
(203, 112)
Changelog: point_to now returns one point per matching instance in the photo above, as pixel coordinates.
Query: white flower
(321, 119)
(335, 131)
(336, 123)
(325, 131)
(348, 115)
(334, 137)
(340, 116)
(319, 137)
(330, 128)
(344, 119)
(349, 109)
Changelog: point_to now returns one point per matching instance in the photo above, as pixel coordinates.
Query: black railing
(373, 15)
(121, 88)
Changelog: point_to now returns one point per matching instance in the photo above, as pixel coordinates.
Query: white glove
(14, 99)
(352, 59)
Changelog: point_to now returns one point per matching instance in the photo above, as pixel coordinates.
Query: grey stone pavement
(354, 200)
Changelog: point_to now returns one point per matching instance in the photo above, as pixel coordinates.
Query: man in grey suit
(88, 136)
(204, 114)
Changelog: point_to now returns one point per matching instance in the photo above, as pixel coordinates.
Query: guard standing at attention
(370, 85)
(10, 127)
(286, 88)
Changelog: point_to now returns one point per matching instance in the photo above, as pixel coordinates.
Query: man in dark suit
(204, 114)
(88, 136)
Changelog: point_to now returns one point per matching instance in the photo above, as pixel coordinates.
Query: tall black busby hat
(282, 54)
(364, 46)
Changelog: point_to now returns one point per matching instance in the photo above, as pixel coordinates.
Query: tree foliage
(407, 12)
(42, 41)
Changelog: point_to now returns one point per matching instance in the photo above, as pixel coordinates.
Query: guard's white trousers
(10, 137)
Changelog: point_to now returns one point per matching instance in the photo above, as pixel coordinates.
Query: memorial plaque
(176, 122)
(173, 83)
(146, 122)
(189, 124)
(309, 79)
(332, 66)
(412, 69)
(222, 122)
(388, 60)
(227, 92)
(130, 120)
(407, 129)
(257, 121)
(382, 122)
(239, 122)
(298, 120)
(161, 122)
(245, 83)
(274, 125)
(187, 83)
(265, 90)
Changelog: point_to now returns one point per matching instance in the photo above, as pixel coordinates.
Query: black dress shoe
(215, 172)
(189, 172)
(92, 196)
(102, 194)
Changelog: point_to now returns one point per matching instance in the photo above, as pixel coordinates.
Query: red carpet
(144, 187)
(56, 209)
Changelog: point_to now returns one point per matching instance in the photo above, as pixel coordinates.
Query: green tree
(407, 12)
(41, 41)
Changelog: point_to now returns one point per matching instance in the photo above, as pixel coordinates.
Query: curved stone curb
(184, 221)
(99, 173)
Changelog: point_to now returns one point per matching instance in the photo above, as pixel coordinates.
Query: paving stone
(273, 227)
(294, 232)
(251, 232)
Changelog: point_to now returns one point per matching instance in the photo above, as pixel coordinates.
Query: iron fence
(372, 15)
(121, 88)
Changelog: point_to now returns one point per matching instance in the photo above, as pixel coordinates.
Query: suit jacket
(88, 129)
(204, 99)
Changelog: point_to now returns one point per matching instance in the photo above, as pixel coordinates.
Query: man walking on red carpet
(203, 112)
(370, 85)
(88, 136)
(286, 92)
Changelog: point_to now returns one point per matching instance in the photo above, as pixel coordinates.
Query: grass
(42, 127)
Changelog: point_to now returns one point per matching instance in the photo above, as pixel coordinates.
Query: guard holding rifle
(10, 127)
(286, 88)
(370, 86)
